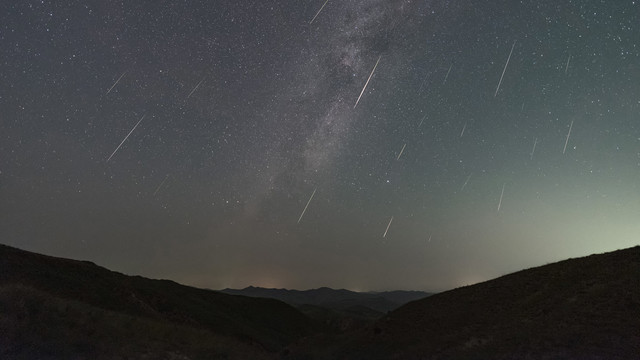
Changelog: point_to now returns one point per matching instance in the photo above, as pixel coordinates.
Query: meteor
(116, 83)
(401, 151)
(446, 76)
(367, 83)
(388, 225)
(535, 142)
(125, 138)
(466, 182)
(160, 186)
(306, 206)
(501, 195)
(318, 13)
(195, 88)
(568, 134)
(505, 69)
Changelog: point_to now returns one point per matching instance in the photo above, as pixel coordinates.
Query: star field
(224, 143)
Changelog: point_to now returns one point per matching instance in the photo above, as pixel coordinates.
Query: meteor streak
(568, 134)
(160, 186)
(116, 83)
(367, 83)
(389, 224)
(446, 76)
(318, 13)
(195, 88)
(422, 120)
(505, 69)
(535, 142)
(465, 182)
(125, 138)
(306, 206)
(401, 151)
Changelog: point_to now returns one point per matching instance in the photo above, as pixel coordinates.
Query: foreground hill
(58, 308)
(585, 308)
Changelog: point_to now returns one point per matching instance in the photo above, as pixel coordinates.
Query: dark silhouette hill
(341, 299)
(584, 308)
(53, 308)
(48, 305)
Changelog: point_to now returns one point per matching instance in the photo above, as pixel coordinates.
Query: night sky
(491, 136)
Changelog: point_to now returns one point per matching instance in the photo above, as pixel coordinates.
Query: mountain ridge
(338, 299)
(582, 308)
(266, 323)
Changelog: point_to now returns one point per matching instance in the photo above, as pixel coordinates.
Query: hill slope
(32, 284)
(585, 308)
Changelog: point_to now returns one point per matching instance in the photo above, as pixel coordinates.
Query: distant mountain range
(339, 310)
(53, 308)
(381, 302)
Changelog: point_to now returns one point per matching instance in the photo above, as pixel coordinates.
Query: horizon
(368, 144)
(430, 292)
